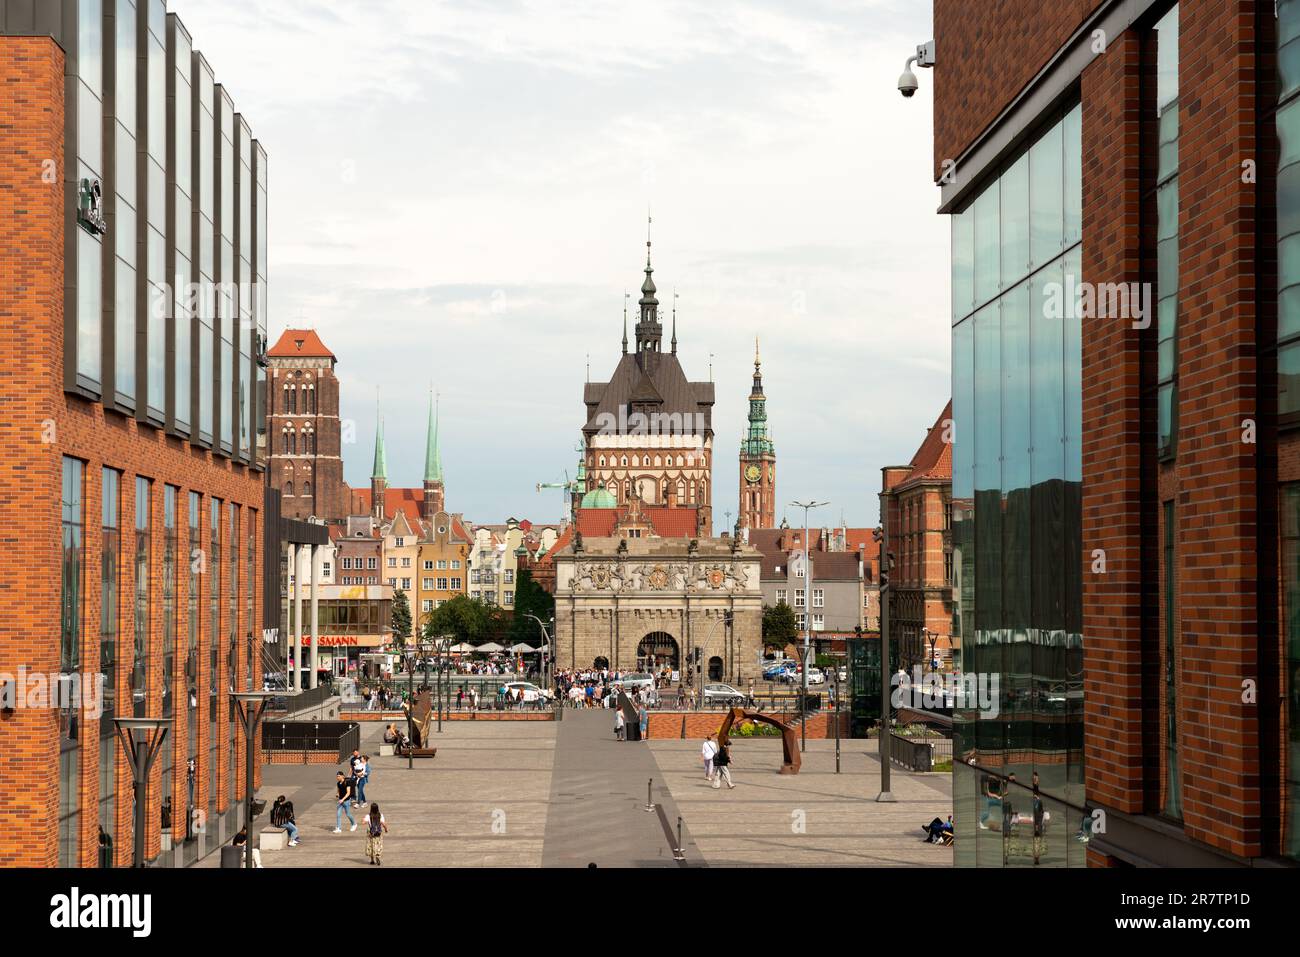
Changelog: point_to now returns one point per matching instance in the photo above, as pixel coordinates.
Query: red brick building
(305, 454)
(1126, 480)
(916, 504)
(132, 478)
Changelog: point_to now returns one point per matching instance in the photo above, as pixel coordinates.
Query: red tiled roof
(407, 500)
(299, 342)
(933, 460)
(667, 522)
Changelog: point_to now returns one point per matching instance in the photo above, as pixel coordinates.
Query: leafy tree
(780, 626)
(400, 618)
(530, 599)
(464, 618)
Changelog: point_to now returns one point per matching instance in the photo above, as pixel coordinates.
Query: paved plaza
(566, 794)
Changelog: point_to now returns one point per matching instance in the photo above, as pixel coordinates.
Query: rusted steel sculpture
(790, 759)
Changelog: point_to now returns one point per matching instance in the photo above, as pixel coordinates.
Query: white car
(815, 676)
(520, 686)
(723, 694)
(637, 680)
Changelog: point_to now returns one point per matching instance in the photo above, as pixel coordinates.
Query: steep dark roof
(662, 383)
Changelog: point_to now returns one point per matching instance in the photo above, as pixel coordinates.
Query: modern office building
(1126, 488)
(133, 205)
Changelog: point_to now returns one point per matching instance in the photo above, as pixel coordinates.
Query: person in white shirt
(709, 750)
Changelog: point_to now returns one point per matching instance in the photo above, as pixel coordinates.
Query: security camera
(907, 82)
(924, 57)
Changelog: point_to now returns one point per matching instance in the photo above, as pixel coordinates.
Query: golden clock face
(752, 474)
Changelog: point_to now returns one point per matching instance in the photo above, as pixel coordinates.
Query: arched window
(691, 491)
(656, 461)
(625, 461)
(636, 461)
(627, 489)
(288, 488)
(602, 461)
(704, 490)
(306, 489)
(663, 492)
(681, 492)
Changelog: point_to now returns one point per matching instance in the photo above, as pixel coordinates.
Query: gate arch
(656, 650)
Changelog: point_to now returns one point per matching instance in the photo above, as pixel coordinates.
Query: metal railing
(306, 738)
(919, 754)
(302, 701)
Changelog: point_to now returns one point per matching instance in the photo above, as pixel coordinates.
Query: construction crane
(572, 488)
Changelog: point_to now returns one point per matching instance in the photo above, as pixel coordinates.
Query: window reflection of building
(1017, 469)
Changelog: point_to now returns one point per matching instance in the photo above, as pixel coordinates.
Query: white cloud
(459, 189)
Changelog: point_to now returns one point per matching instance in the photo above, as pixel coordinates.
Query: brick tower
(305, 460)
(757, 461)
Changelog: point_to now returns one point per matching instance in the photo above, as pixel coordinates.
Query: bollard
(649, 801)
(678, 853)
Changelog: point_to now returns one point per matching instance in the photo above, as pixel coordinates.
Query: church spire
(674, 322)
(432, 454)
(380, 469)
(649, 332)
(626, 296)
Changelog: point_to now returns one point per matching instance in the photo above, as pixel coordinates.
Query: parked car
(637, 680)
(519, 686)
(815, 676)
(722, 694)
(775, 672)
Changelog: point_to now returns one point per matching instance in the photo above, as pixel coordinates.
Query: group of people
(620, 723)
(717, 761)
(381, 698)
(351, 791)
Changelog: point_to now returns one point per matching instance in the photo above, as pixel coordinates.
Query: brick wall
(40, 427)
(987, 52)
(701, 724)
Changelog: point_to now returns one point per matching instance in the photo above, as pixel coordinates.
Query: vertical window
(1291, 599)
(74, 481)
(125, 203)
(250, 588)
(1173, 805)
(153, 229)
(213, 571)
(1165, 37)
(89, 169)
(140, 659)
(166, 755)
(1288, 211)
(110, 543)
(194, 555)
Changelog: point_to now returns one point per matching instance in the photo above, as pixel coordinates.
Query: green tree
(780, 626)
(530, 599)
(464, 618)
(400, 618)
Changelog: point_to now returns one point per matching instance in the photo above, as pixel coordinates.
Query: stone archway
(715, 668)
(656, 650)
(601, 663)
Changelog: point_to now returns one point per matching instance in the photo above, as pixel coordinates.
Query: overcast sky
(459, 194)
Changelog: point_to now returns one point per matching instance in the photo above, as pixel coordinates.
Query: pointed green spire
(432, 456)
(380, 469)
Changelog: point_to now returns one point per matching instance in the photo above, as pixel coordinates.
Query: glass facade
(110, 536)
(227, 295)
(85, 93)
(180, 360)
(123, 222)
(140, 660)
(194, 557)
(1291, 676)
(214, 640)
(151, 170)
(1017, 479)
(1165, 36)
(1288, 209)
(73, 520)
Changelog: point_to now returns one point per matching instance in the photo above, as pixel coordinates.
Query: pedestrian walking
(620, 725)
(363, 777)
(346, 792)
(643, 722)
(722, 767)
(354, 766)
(376, 826)
(710, 751)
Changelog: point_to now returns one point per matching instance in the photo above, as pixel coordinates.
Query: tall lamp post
(886, 564)
(141, 749)
(443, 646)
(699, 676)
(250, 705)
(546, 655)
(807, 609)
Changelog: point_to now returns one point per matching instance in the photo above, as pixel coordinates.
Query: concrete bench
(273, 839)
(385, 750)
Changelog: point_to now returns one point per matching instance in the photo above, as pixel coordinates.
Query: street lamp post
(807, 610)
(250, 705)
(886, 565)
(546, 655)
(410, 710)
(837, 720)
(141, 751)
(699, 677)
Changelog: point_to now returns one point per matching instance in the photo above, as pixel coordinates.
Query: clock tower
(757, 461)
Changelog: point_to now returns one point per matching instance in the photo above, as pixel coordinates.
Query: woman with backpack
(722, 766)
(376, 826)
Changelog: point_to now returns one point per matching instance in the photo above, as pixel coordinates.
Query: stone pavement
(566, 794)
(815, 818)
(482, 802)
(598, 797)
